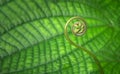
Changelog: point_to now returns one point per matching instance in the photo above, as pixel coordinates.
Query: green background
(32, 37)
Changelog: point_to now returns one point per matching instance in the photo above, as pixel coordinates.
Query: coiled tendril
(78, 29)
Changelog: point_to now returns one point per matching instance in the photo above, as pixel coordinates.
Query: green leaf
(32, 37)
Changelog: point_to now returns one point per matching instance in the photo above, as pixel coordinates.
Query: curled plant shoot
(78, 28)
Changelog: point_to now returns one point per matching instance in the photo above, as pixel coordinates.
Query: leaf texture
(32, 37)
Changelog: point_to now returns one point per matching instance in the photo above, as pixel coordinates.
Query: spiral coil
(78, 29)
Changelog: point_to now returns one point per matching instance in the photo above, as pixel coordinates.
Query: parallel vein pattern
(32, 39)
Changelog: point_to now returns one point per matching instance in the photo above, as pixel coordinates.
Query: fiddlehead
(79, 28)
